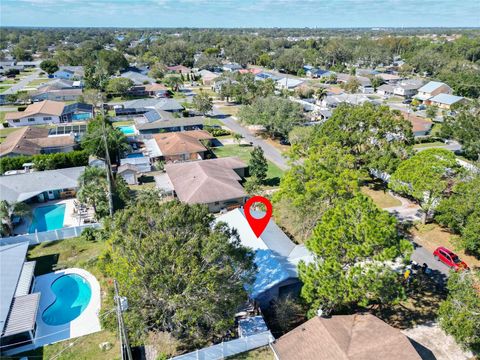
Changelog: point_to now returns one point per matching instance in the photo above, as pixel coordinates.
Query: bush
(21, 108)
(45, 161)
(428, 139)
(217, 131)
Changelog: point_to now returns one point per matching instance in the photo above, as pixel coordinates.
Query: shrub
(45, 161)
(217, 131)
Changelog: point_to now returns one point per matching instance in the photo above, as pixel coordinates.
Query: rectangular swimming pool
(127, 129)
(46, 218)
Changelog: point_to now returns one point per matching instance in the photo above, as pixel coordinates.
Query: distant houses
(69, 73)
(431, 89)
(137, 77)
(49, 112)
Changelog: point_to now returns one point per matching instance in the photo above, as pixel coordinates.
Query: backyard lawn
(76, 252)
(212, 122)
(37, 82)
(380, 197)
(274, 173)
(263, 353)
(4, 88)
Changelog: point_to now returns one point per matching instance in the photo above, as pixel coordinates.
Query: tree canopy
(203, 102)
(119, 86)
(49, 66)
(465, 127)
(378, 137)
(257, 165)
(277, 115)
(426, 176)
(354, 244)
(459, 314)
(180, 274)
(461, 213)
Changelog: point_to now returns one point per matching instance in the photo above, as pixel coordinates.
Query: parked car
(449, 258)
(421, 107)
(407, 101)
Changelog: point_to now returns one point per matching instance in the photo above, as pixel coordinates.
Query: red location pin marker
(258, 225)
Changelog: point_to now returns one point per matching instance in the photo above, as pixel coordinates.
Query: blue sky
(240, 13)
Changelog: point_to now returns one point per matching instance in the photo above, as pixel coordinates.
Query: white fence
(229, 348)
(52, 235)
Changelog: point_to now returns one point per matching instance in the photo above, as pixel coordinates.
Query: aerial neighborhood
(132, 161)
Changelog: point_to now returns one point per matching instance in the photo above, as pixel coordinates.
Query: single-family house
(318, 73)
(208, 77)
(332, 101)
(156, 90)
(265, 75)
(389, 78)
(215, 182)
(30, 64)
(142, 106)
(69, 73)
(18, 304)
(181, 146)
(32, 140)
(386, 90)
(445, 101)
(420, 126)
(431, 89)
(158, 121)
(179, 69)
(137, 77)
(403, 88)
(364, 82)
(49, 112)
(253, 71)
(231, 67)
(40, 186)
(346, 337)
(276, 257)
(58, 90)
(288, 83)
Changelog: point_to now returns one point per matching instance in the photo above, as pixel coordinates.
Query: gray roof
(12, 258)
(22, 187)
(164, 104)
(431, 86)
(446, 99)
(161, 124)
(137, 77)
(22, 315)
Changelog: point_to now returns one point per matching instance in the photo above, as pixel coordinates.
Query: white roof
(276, 256)
(288, 82)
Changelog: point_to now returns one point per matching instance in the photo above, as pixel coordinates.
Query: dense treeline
(45, 161)
(455, 62)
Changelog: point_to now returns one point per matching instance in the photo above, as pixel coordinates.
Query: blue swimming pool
(134, 155)
(127, 130)
(46, 218)
(73, 294)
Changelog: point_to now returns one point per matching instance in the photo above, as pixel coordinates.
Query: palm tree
(93, 189)
(321, 93)
(8, 210)
(174, 82)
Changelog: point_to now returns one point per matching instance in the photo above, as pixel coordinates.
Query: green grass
(81, 253)
(123, 123)
(423, 145)
(380, 197)
(37, 82)
(274, 173)
(263, 353)
(6, 131)
(212, 122)
(4, 88)
(9, 81)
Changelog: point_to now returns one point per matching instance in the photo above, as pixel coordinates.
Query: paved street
(271, 153)
(452, 146)
(22, 83)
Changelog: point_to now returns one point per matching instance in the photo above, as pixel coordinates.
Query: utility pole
(125, 349)
(107, 161)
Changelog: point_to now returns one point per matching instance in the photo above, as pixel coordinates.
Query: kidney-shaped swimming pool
(73, 293)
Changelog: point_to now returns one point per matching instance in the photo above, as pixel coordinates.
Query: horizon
(240, 14)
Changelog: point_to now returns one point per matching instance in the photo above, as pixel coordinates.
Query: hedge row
(45, 161)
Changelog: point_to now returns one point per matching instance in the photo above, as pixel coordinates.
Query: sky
(240, 13)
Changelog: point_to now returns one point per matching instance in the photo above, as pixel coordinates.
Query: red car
(449, 258)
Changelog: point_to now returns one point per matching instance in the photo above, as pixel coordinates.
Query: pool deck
(68, 220)
(86, 323)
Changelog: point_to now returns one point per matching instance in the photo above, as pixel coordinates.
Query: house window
(31, 119)
(47, 118)
(16, 120)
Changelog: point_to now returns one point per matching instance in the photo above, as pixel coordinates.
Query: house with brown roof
(157, 90)
(345, 337)
(179, 69)
(35, 140)
(49, 112)
(420, 126)
(182, 146)
(215, 182)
